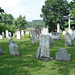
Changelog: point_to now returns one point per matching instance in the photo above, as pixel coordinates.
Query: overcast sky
(29, 8)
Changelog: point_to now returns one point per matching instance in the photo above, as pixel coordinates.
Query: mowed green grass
(27, 64)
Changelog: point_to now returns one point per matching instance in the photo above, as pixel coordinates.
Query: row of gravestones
(43, 51)
(7, 34)
(17, 34)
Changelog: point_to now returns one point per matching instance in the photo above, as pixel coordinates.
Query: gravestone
(45, 31)
(62, 55)
(43, 52)
(7, 35)
(14, 35)
(55, 35)
(34, 37)
(38, 30)
(22, 33)
(58, 28)
(1, 50)
(18, 35)
(1, 37)
(51, 40)
(3, 34)
(13, 48)
(67, 39)
(73, 34)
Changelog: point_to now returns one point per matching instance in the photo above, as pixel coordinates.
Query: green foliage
(62, 36)
(55, 11)
(26, 36)
(7, 18)
(4, 27)
(20, 23)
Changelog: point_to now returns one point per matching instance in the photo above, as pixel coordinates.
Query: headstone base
(45, 58)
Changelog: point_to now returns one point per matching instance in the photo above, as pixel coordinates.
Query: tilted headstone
(38, 30)
(1, 50)
(18, 35)
(13, 48)
(67, 39)
(73, 34)
(7, 35)
(34, 37)
(62, 55)
(43, 51)
(1, 37)
(55, 35)
(2, 34)
(22, 33)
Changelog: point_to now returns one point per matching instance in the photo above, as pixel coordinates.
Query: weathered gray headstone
(38, 30)
(1, 50)
(43, 52)
(67, 39)
(62, 55)
(13, 48)
(55, 35)
(34, 37)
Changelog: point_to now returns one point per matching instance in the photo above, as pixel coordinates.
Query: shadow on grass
(24, 64)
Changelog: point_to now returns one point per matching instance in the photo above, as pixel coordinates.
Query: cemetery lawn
(27, 64)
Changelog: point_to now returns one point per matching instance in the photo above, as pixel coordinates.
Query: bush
(26, 36)
(62, 36)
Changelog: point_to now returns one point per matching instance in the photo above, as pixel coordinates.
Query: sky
(31, 9)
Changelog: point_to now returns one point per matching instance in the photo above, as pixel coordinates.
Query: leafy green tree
(7, 18)
(20, 22)
(55, 11)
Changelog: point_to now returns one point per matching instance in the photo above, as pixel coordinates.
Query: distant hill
(34, 23)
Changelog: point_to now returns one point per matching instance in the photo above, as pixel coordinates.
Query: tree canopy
(55, 11)
(20, 22)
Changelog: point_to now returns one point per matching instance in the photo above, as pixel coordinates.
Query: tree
(55, 11)
(7, 18)
(20, 22)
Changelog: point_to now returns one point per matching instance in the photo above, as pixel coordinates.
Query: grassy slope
(27, 64)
